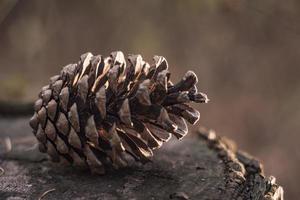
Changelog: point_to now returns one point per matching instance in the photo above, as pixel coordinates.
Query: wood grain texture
(201, 166)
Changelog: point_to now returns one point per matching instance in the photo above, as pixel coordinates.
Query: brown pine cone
(100, 110)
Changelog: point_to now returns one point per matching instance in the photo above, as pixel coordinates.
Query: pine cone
(98, 111)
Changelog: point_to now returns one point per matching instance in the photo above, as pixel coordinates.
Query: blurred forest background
(246, 54)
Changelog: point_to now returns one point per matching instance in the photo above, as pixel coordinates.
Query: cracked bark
(201, 166)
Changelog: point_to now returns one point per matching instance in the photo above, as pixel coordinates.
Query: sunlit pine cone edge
(100, 111)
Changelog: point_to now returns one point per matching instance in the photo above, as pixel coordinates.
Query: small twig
(2, 171)
(31, 148)
(45, 193)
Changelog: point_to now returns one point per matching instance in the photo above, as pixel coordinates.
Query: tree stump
(201, 166)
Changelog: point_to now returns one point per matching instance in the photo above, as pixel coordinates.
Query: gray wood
(201, 166)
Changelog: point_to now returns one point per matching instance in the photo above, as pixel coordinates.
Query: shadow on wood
(201, 166)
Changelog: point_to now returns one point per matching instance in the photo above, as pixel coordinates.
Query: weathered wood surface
(201, 166)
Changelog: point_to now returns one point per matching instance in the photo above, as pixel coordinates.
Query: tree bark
(201, 166)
